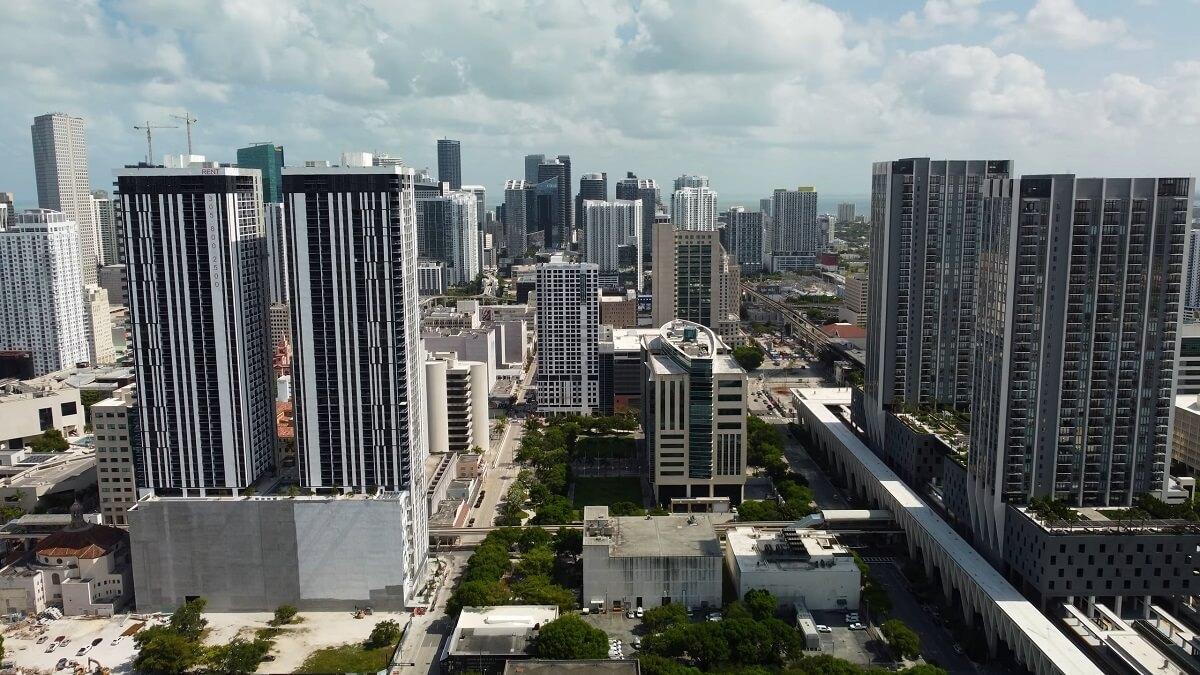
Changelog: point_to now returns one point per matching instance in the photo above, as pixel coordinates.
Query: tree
(477, 594)
(658, 619)
(761, 603)
(536, 562)
(164, 650)
(541, 591)
(189, 621)
(499, 425)
(237, 656)
(533, 537)
(556, 510)
(284, 614)
(385, 634)
(749, 357)
(568, 540)
(570, 637)
(923, 669)
(903, 640)
(8, 513)
(51, 440)
(653, 664)
(626, 509)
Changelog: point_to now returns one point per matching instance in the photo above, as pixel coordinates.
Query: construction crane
(149, 144)
(187, 120)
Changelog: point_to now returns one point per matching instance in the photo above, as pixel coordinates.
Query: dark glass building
(450, 163)
(268, 159)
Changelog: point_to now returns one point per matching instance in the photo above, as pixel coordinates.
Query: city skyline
(1053, 85)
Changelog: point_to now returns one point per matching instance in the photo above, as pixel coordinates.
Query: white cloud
(942, 13)
(963, 80)
(1061, 23)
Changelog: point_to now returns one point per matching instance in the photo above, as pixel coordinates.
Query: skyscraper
(1079, 293)
(532, 162)
(198, 298)
(687, 181)
(98, 321)
(450, 163)
(646, 190)
(557, 226)
(694, 398)
(1191, 293)
(447, 231)
(60, 162)
(278, 252)
(794, 222)
(695, 280)
(591, 186)
(111, 240)
(268, 159)
(568, 337)
(358, 371)
(518, 215)
(611, 226)
(41, 297)
(925, 217)
(744, 238)
(694, 208)
(845, 212)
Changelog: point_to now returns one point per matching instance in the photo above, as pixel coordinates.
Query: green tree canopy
(556, 510)
(658, 619)
(189, 621)
(761, 603)
(903, 640)
(386, 633)
(568, 540)
(536, 562)
(749, 357)
(477, 594)
(541, 591)
(237, 656)
(653, 664)
(51, 440)
(570, 637)
(625, 509)
(284, 614)
(164, 650)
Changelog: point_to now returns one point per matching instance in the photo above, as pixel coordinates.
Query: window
(69, 408)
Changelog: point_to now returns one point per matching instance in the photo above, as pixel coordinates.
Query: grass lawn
(607, 491)
(605, 447)
(350, 658)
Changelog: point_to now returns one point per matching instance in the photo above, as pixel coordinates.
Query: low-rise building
(468, 467)
(487, 638)
(619, 311)
(252, 554)
(478, 344)
(797, 566)
(1185, 446)
(30, 407)
(1187, 366)
(846, 334)
(83, 569)
(854, 300)
(649, 561)
(431, 277)
(27, 478)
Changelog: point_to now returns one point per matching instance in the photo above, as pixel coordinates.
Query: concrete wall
(20, 418)
(253, 554)
(477, 345)
(821, 589)
(691, 580)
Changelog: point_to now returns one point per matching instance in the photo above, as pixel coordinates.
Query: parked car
(52, 646)
(97, 641)
(629, 613)
(42, 640)
(857, 626)
(715, 616)
(636, 643)
(269, 657)
(822, 628)
(62, 663)
(83, 650)
(640, 612)
(117, 640)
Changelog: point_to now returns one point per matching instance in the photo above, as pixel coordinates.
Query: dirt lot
(292, 647)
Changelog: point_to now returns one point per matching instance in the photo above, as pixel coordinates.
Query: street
(499, 473)
(937, 644)
(424, 640)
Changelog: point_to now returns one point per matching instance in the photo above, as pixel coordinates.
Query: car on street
(83, 650)
(822, 628)
(857, 626)
(117, 640)
(42, 640)
(52, 646)
(64, 641)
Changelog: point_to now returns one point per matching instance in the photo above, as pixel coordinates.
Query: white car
(640, 612)
(629, 614)
(857, 626)
(715, 616)
(822, 628)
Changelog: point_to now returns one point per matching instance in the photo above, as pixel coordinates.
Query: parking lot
(860, 647)
(618, 627)
(23, 650)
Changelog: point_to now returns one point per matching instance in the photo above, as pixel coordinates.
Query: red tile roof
(847, 331)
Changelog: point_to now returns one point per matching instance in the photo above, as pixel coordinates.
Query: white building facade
(98, 318)
(41, 291)
(114, 423)
(456, 395)
(794, 565)
(568, 337)
(448, 230)
(794, 222)
(694, 208)
(608, 226)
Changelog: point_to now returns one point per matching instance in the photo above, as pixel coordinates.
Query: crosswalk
(879, 560)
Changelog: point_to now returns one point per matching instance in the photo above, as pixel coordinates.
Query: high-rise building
(8, 212)
(268, 159)
(41, 296)
(854, 301)
(694, 208)
(98, 319)
(845, 212)
(693, 408)
(568, 337)
(532, 162)
(687, 181)
(1187, 364)
(480, 193)
(519, 216)
(1078, 295)
(196, 254)
(744, 238)
(794, 222)
(111, 240)
(450, 163)
(457, 403)
(1191, 291)
(611, 226)
(592, 186)
(555, 213)
(695, 280)
(358, 365)
(117, 438)
(447, 231)
(645, 190)
(278, 241)
(60, 162)
(926, 220)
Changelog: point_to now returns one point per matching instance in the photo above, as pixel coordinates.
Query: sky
(756, 94)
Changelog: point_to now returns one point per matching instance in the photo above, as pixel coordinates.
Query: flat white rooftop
(1065, 656)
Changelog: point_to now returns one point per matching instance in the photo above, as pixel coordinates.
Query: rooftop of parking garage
(828, 406)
